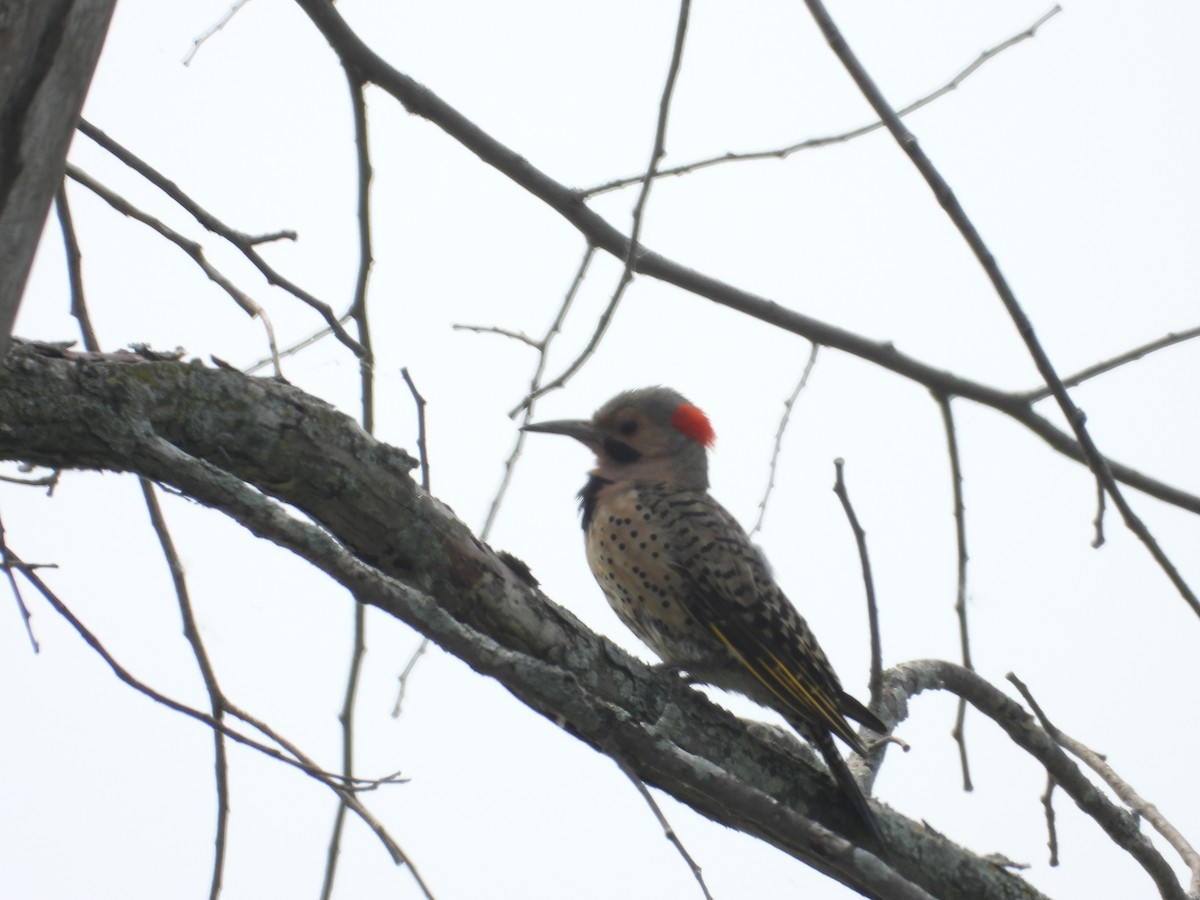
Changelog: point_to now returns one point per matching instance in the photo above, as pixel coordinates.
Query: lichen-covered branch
(248, 446)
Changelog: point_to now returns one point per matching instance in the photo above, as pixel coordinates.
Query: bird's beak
(582, 431)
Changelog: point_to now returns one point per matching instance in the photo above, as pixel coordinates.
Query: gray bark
(48, 52)
(234, 443)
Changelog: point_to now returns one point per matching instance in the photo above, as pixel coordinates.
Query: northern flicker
(683, 575)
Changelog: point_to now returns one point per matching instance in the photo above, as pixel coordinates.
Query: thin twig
(406, 674)
(188, 246)
(958, 216)
(8, 563)
(47, 481)
(1120, 787)
(295, 759)
(960, 596)
(503, 332)
(1098, 522)
(245, 243)
(634, 248)
(366, 364)
(596, 229)
(556, 325)
(174, 565)
(860, 538)
(840, 138)
(191, 631)
(1108, 365)
(74, 268)
(422, 449)
(346, 720)
(366, 253)
(296, 347)
(779, 432)
(213, 29)
(1051, 819)
(423, 453)
(668, 831)
(534, 383)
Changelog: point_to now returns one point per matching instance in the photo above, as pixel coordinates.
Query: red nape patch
(692, 421)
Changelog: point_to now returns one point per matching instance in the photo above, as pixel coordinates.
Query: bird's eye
(628, 427)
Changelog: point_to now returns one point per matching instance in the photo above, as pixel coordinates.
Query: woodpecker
(683, 575)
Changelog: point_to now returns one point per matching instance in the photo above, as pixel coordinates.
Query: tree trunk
(48, 52)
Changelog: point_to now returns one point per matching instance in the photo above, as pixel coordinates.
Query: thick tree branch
(241, 444)
(1119, 824)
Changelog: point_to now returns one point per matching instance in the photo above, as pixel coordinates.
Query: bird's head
(649, 434)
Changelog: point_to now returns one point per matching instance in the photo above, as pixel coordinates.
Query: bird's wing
(731, 592)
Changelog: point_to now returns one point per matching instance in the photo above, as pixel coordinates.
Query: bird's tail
(841, 774)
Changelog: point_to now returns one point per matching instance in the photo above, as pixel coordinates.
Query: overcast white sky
(1075, 155)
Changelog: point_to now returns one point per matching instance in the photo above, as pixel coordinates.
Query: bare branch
(300, 762)
(860, 539)
(527, 406)
(1098, 522)
(422, 450)
(1108, 365)
(188, 246)
(74, 269)
(503, 332)
(1051, 824)
(423, 453)
(405, 674)
(783, 424)
(213, 29)
(421, 101)
(293, 349)
(8, 563)
(366, 365)
(639, 210)
(908, 679)
(47, 481)
(245, 243)
(366, 254)
(346, 720)
(668, 831)
(1120, 787)
(960, 597)
(949, 202)
(842, 137)
(191, 631)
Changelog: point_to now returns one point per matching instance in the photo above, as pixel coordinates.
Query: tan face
(630, 434)
(652, 434)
